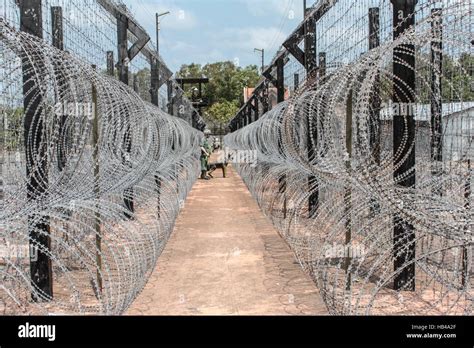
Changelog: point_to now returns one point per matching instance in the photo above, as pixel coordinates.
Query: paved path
(225, 257)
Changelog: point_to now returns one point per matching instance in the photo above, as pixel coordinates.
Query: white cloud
(179, 18)
(270, 7)
(198, 56)
(181, 46)
(250, 38)
(205, 38)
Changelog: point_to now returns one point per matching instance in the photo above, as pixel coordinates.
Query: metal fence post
(123, 61)
(404, 141)
(41, 271)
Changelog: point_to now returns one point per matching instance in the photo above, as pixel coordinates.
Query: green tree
(458, 84)
(225, 88)
(456, 78)
(143, 83)
(191, 70)
(11, 137)
(222, 112)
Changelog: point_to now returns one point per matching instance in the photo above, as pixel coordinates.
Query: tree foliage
(11, 128)
(225, 88)
(456, 78)
(222, 112)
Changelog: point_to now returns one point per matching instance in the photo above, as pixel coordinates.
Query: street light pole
(262, 51)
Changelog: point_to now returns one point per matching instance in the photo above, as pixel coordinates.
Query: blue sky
(206, 31)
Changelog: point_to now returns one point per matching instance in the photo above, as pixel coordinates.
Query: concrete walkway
(224, 257)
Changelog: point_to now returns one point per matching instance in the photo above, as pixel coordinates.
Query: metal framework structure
(92, 175)
(366, 169)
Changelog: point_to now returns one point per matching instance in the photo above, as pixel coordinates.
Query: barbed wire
(347, 242)
(91, 138)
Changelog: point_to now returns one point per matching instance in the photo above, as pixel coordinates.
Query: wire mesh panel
(92, 176)
(378, 147)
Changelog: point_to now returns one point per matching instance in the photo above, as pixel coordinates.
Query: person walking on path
(206, 151)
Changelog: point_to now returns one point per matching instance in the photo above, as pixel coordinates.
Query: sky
(206, 31)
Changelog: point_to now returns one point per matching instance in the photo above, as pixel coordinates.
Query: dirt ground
(225, 258)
